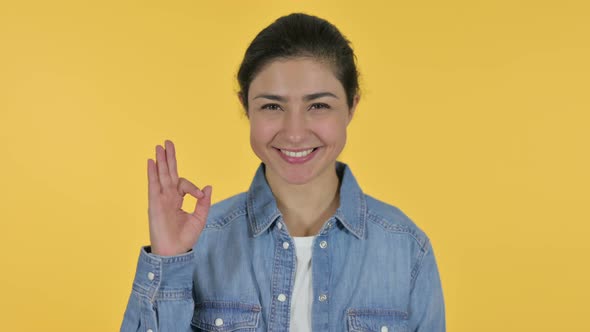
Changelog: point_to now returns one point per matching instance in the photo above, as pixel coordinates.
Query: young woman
(304, 248)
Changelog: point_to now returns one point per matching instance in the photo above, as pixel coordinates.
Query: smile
(297, 154)
(298, 157)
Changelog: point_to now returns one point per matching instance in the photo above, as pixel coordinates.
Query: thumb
(203, 204)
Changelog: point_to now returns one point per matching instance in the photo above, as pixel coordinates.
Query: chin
(295, 177)
(289, 175)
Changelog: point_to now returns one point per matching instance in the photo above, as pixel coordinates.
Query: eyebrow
(305, 98)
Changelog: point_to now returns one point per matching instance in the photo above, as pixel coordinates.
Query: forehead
(293, 77)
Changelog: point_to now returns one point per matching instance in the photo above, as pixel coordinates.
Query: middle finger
(171, 158)
(163, 174)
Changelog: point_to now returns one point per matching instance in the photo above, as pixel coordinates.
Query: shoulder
(392, 220)
(227, 210)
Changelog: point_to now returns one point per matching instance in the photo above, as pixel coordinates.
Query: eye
(320, 106)
(272, 107)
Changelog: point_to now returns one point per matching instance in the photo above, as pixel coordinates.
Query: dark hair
(300, 35)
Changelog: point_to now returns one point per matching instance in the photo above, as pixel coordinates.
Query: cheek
(332, 132)
(261, 132)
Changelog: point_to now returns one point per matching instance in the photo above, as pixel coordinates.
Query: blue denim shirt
(373, 269)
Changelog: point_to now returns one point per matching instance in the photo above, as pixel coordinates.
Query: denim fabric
(373, 269)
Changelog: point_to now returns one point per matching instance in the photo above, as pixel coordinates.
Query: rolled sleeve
(164, 276)
(161, 298)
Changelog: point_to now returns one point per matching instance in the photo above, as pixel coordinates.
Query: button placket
(321, 278)
(284, 264)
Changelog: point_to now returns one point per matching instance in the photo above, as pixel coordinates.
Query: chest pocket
(222, 316)
(376, 320)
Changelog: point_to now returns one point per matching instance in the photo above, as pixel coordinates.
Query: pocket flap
(377, 320)
(222, 316)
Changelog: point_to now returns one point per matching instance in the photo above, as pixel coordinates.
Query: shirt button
(218, 322)
(151, 275)
(282, 297)
(323, 297)
(323, 244)
(384, 329)
(280, 226)
(150, 330)
(286, 245)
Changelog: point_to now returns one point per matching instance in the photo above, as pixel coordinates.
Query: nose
(294, 126)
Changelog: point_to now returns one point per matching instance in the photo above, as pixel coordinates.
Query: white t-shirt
(301, 300)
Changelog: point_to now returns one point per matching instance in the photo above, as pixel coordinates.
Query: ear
(355, 102)
(241, 99)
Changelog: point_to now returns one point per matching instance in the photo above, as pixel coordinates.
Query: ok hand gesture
(172, 230)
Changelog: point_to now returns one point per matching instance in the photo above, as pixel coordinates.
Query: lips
(297, 156)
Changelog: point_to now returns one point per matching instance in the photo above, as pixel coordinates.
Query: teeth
(297, 154)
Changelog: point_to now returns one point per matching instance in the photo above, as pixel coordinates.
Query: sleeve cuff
(160, 273)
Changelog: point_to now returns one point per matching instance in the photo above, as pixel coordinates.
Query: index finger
(153, 183)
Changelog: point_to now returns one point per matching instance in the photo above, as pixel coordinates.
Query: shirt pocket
(376, 320)
(222, 316)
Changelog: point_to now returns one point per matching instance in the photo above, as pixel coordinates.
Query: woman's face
(298, 118)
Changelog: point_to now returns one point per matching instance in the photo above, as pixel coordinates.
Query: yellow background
(474, 120)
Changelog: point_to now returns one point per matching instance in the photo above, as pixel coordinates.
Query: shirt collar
(263, 210)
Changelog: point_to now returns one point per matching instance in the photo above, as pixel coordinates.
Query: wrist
(166, 253)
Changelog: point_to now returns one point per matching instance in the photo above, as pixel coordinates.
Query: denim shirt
(373, 269)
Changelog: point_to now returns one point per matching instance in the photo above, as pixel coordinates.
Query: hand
(172, 230)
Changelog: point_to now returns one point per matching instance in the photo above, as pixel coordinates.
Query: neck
(306, 207)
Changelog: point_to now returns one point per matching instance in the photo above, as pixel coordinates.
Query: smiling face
(298, 117)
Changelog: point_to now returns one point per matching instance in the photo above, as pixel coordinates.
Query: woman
(304, 248)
